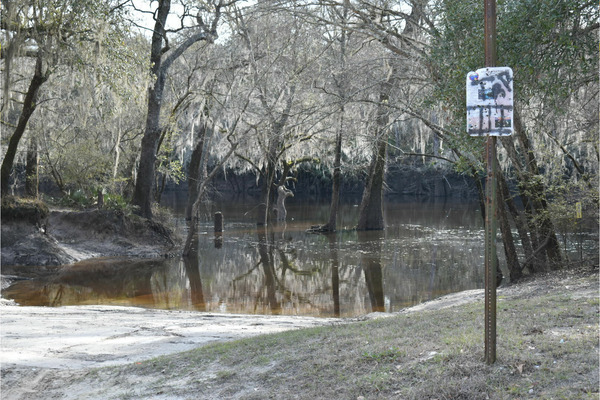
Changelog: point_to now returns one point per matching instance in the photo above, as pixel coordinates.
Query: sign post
(490, 113)
(489, 12)
(490, 102)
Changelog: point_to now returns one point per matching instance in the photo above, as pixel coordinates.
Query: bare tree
(371, 207)
(162, 57)
(279, 63)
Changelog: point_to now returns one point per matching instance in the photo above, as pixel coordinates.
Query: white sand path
(96, 336)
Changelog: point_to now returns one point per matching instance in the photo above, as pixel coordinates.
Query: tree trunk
(161, 183)
(539, 262)
(519, 223)
(194, 174)
(266, 194)
(538, 195)
(192, 268)
(370, 214)
(524, 220)
(198, 179)
(331, 225)
(29, 106)
(196, 183)
(512, 260)
(142, 195)
(266, 259)
(117, 156)
(480, 192)
(282, 192)
(273, 156)
(31, 169)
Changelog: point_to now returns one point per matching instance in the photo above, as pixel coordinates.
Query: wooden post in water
(490, 204)
(218, 222)
(218, 229)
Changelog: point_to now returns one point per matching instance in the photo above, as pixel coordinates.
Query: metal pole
(490, 204)
(490, 252)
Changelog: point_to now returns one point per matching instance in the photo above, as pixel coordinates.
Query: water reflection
(101, 281)
(428, 250)
(268, 267)
(191, 264)
(335, 274)
(370, 243)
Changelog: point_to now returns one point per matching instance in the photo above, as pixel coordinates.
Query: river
(428, 249)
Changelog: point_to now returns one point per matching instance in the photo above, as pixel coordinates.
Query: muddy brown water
(427, 250)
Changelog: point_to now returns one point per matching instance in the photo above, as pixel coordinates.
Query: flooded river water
(428, 249)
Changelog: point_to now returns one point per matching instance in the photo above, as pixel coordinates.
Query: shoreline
(78, 337)
(49, 352)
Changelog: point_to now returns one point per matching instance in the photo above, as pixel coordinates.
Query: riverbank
(60, 237)
(547, 348)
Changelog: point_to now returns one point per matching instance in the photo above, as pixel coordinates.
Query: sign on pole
(490, 102)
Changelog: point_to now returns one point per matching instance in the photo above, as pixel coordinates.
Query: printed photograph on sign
(490, 102)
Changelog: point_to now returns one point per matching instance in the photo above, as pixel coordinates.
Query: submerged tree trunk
(192, 268)
(331, 225)
(267, 262)
(335, 274)
(29, 106)
(273, 156)
(198, 178)
(370, 214)
(266, 183)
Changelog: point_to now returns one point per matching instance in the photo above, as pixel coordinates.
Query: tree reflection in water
(281, 269)
(370, 245)
(266, 260)
(191, 263)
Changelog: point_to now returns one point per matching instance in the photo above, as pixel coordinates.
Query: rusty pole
(490, 205)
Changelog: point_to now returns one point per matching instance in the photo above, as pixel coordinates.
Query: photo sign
(490, 102)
